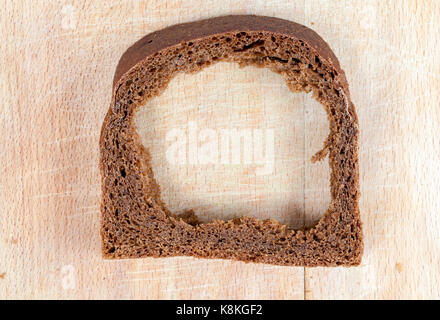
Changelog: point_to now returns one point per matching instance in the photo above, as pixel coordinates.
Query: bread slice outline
(136, 223)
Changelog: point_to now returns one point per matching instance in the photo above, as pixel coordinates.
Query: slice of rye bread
(135, 221)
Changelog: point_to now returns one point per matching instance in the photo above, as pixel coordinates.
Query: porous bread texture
(135, 221)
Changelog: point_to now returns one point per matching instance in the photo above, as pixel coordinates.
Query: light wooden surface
(56, 66)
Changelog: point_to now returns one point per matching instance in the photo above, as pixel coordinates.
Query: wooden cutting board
(56, 66)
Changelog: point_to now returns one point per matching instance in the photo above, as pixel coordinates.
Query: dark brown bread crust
(136, 223)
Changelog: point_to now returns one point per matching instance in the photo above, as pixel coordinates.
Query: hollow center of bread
(229, 141)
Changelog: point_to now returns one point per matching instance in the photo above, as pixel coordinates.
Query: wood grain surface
(57, 61)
